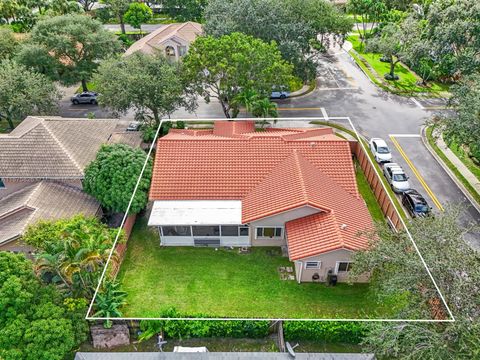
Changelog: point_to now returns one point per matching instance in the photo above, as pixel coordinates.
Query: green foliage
(223, 67)
(109, 300)
(150, 84)
(463, 127)
(184, 329)
(111, 178)
(301, 28)
(396, 269)
(72, 252)
(34, 323)
(75, 44)
(24, 93)
(184, 10)
(365, 12)
(137, 14)
(326, 331)
(37, 59)
(8, 43)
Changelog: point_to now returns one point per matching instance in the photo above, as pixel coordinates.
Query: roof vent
(343, 226)
(313, 143)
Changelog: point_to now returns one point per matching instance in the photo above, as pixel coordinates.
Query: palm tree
(264, 108)
(246, 98)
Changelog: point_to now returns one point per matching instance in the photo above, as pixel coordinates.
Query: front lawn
(224, 283)
(407, 83)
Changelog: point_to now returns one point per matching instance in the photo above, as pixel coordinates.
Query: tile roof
(271, 172)
(52, 148)
(187, 32)
(44, 200)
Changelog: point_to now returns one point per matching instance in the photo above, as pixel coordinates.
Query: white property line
(452, 318)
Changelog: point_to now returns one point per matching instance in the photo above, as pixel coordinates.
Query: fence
(121, 249)
(375, 182)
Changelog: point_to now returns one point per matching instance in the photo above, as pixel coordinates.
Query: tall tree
(111, 178)
(397, 272)
(118, 9)
(137, 14)
(147, 83)
(301, 28)
(87, 4)
(463, 126)
(24, 93)
(366, 12)
(8, 43)
(223, 67)
(76, 43)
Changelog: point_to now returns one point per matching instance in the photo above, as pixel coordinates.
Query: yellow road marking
(417, 174)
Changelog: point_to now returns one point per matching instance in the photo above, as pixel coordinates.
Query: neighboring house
(234, 186)
(173, 40)
(42, 163)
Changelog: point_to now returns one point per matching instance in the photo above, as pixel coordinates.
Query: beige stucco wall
(328, 261)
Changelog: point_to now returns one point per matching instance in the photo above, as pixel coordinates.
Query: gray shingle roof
(45, 200)
(52, 148)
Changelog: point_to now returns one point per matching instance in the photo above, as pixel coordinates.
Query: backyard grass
(224, 283)
(407, 83)
(368, 195)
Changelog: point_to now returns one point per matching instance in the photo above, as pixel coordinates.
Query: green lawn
(225, 283)
(467, 160)
(407, 83)
(368, 195)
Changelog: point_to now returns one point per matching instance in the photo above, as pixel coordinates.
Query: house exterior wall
(190, 240)
(281, 218)
(328, 261)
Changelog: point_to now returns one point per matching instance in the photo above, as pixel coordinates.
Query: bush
(181, 329)
(331, 331)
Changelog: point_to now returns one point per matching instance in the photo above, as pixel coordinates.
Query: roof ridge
(70, 156)
(296, 159)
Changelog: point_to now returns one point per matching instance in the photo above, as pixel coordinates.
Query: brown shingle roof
(44, 200)
(52, 148)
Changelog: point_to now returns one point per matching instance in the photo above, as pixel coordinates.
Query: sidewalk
(466, 173)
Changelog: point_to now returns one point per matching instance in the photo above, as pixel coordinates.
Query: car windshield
(399, 177)
(383, 150)
(421, 208)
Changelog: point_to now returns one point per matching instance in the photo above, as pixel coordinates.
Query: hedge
(331, 331)
(182, 329)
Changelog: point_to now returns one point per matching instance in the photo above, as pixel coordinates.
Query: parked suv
(87, 97)
(415, 203)
(396, 177)
(380, 150)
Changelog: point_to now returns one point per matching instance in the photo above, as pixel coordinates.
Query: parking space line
(417, 174)
(324, 113)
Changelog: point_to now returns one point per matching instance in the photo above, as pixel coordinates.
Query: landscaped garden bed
(408, 82)
(225, 283)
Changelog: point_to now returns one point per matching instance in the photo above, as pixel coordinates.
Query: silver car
(87, 97)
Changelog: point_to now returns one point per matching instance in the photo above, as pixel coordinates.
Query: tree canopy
(75, 43)
(301, 28)
(137, 14)
(111, 178)
(23, 93)
(146, 83)
(398, 273)
(223, 67)
(35, 322)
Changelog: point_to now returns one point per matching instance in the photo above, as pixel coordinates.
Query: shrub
(332, 331)
(181, 329)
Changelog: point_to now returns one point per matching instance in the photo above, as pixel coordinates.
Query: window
(312, 265)
(270, 232)
(229, 230)
(176, 231)
(206, 230)
(343, 266)
(243, 230)
(169, 51)
(2, 184)
(182, 50)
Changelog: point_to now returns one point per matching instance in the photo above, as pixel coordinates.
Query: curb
(303, 92)
(459, 184)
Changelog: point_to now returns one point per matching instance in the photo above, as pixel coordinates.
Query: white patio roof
(196, 212)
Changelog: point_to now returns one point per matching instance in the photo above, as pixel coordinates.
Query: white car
(380, 150)
(396, 177)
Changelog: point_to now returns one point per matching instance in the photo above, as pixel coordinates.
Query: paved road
(145, 27)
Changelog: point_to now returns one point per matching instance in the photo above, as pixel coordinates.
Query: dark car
(415, 203)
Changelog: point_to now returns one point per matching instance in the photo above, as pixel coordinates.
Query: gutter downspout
(300, 272)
